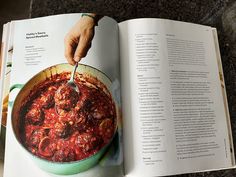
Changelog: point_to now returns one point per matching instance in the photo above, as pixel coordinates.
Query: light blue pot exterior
(60, 168)
(70, 167)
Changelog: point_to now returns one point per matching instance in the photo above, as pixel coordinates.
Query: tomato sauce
(62, 125)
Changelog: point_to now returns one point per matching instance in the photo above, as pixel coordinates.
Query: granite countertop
(217, 13)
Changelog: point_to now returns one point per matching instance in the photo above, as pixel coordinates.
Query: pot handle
(19, 86)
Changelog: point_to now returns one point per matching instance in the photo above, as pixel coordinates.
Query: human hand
(78, 39)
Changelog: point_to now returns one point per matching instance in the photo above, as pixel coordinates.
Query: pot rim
(77, 161)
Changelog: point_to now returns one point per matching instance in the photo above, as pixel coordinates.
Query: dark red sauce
(62, 125)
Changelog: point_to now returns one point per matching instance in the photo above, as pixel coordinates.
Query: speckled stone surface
(217, 13)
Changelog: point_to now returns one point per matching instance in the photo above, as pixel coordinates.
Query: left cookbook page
(5, 77)
(3, 59)
(54, 128)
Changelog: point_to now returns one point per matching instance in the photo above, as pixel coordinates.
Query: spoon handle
(73, 73)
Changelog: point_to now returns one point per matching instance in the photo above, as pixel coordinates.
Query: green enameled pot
(61, 168)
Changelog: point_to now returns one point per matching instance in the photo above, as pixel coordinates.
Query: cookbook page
(173, 108)
(6, 79)
(3, 63)
(3, 53)
(54, 129)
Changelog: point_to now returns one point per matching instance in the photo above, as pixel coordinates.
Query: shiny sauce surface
(62, 125)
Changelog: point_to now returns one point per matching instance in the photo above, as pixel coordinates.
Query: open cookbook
(147, 100)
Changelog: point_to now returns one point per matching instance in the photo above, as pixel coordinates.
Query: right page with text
(173, 108)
